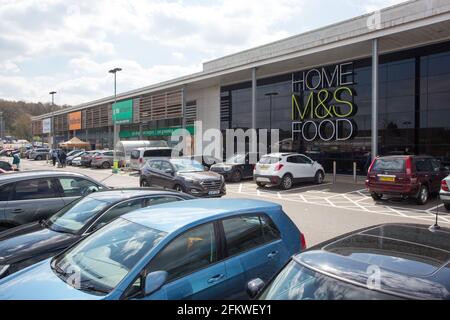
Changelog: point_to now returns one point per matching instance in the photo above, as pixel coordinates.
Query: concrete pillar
(254, 98)
(374, 98)
(183, 106)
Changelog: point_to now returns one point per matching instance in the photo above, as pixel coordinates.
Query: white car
(284, 169)
(76, 161)
(444, 194)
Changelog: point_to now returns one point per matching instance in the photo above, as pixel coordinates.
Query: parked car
(197, 249)
(73, 152)
(102, 159)
(76, 161)
(207, 161)
(389, 261)
(182, 174)
(35, 195)
(444, 194)
(139, 156)
(6, 166)
(285, 169)
(86, 159)
(39, 154)
(237, 167)
(33, 242)
(75, 155)
(405, 176)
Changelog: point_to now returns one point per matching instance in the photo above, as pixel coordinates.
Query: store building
(375, 84)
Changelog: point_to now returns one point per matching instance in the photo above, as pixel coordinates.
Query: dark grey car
(35, 195)
(182, 174)
(39, 154)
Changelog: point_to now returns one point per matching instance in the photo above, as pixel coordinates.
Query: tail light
(371, 165)
(97, 158)
(408, 166)
(302, 241)
(278, 167)
(444, 186)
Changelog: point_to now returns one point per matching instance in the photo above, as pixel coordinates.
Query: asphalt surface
(321, 212)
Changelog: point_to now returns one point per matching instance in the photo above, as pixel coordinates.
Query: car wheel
(376, 196)
(422, 198)
(447, 206)
(38, 158)
(320, 177)
(106, 165)
(145, 184)
(236, 176)
(260, 184)
(178, 188)
(287, 181)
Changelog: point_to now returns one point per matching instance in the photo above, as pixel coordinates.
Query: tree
(22, 127)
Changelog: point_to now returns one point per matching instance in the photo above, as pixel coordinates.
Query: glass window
(423, 165)
(118, 211)
(35, 189)
(270, 230)
(269, 160)
(75, 187)
(155, 165)
(165, 166)
(5, 192)
(247, 232)
(191, 251)
(389, 165)
(135, 154)
(292, 159)
(187, 165)
(158, 153)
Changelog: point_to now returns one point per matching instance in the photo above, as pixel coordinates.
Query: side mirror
(90, 190)
(168, 171)
(154, 281)
(254, 287)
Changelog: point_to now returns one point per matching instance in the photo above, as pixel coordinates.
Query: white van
(139, 156)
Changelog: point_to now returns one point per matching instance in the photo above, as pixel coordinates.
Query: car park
(29, 196)
(33, 242)
(390, 261)
(285, 169)
(39, 154)
(444, 194)
(405, 176)
(237, 167)
(76, 161)
(139, 156)
(182, 174)
(202, 249)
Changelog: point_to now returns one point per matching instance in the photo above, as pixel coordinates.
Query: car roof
(171, 216)
(413, 262)
(22, 175)
(281, 154)
(112, 195)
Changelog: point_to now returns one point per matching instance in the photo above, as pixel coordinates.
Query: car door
(307, 166)
(33, 200)
(168, 177)
(155, 173)
(5, 192)
(253, 249)
(293, 167)
(73, 188)
(192, 263)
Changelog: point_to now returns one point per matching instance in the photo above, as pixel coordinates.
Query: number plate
(387, 178)
(214, 192)
(263, 167)
(263, 179)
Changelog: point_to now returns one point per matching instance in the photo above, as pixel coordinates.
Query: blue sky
(69, 46)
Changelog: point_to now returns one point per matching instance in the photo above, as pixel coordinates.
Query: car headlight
(189, 180)
(227, 168)
(3, 269)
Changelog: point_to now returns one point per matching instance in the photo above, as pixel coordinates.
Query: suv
(237, 167)
(284, 169)
(445, 192)
(103, 159)
(139, 156)
(385, 262)
(39, 154)
(405, 176)
(35, 195)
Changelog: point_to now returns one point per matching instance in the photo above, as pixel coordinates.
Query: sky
(69, 46)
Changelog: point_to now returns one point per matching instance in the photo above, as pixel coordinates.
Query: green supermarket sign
(154, 132)
(122, 112)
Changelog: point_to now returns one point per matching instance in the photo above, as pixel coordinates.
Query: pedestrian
(62, 158)
(54, 156)
(16, 161)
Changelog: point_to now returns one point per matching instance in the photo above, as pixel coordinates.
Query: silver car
(34, 195)
(445, 192)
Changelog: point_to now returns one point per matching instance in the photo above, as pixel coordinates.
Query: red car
(405, 176)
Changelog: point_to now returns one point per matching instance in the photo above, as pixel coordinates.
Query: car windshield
(187, 165)
(99, 262)
(389, 165)
(296, 282)
(237, 158)
(269, 160)
(73, 217)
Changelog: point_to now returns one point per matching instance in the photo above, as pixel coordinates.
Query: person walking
(62, 158)
(54, 156)
(16, 161)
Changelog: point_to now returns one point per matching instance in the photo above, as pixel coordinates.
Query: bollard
(334, 171)
(355, 179)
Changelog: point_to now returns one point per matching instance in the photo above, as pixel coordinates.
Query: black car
(390, 261)
(238, 167)
(27, 244)
(182, 174)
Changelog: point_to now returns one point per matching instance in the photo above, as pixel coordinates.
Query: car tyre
(145, 184)
(236, 176)
(286, 182)
(320, 177)
(178, 188)
(422, 197)
(38, 158)
(106, 165)
(447, 206)
(376, 196)
(260, 184)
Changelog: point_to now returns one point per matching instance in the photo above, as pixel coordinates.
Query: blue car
(201, 249)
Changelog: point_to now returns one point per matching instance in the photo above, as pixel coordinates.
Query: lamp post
(270, 95)
(53, 96)
(1, 126)
(116, 164)
(52, 93)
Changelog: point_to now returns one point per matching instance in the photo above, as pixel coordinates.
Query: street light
(52, 93)
(270, 95)
(53, 96)
(116, 164)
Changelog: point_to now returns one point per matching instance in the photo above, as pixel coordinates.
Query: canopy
(74, 143)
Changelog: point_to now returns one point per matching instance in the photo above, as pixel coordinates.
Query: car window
(155, 165)
(35, 189)
(269, 160)
(158, 153)
(423, 165)
(75, 187)
(109, 154)
(118, 211)
(165, 166)
(4, 192)
(247, 232)
(303, 159)
(292, 159)
(436, 165)
(5, 165)
(135, 154)
(189, 252)
(397, 165)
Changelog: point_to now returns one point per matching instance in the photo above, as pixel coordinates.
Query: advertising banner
(122, 112)
(154, 132)
(74, 121)
(47, 125)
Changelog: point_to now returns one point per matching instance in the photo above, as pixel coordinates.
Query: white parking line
(306, 187)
